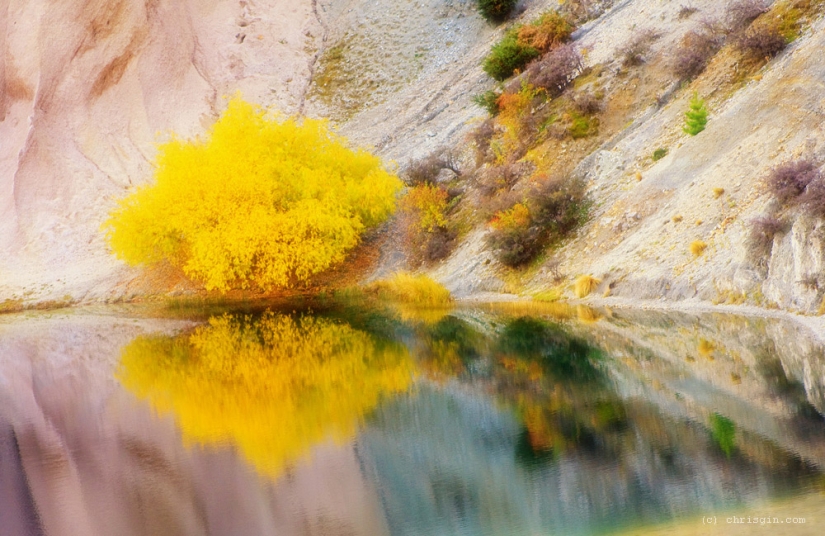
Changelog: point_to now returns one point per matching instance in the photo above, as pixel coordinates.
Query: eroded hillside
(85, 102)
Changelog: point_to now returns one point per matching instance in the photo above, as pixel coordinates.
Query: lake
(509, 419)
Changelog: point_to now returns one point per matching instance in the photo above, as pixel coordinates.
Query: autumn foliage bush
(424, 223)
(508, 55)
(524, 43)
(255, 203)
(552, 209)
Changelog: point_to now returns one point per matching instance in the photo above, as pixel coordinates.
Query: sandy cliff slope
(89, 87)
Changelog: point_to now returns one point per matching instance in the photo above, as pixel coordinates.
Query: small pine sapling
(696, 117)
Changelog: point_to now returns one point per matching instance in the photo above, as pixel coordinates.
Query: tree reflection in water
(273, 386)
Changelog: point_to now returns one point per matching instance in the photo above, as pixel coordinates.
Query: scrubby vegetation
(659, 153)
(696, 117)
(488, 100)
(496, 10)
(424, 209)
(585, 284)
(762, 41)
(635, 51)
(524, 43)
(695, 51)
(411, 289)
(788, 181)
(256, 203)
(552, 209)
(508, 55)
(760, 239)
(555, 71)
(426, 170)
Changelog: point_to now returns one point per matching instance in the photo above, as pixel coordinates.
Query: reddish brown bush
(556, 70)
(481, 138)
(788, 181)
(426, 170)
(501, 178)
(760, 239)
(741, 13)
(813, 200)
(439, 245)
(635, 51)
(587, 103)
(548, 31)
(762, 41)
(695, 51)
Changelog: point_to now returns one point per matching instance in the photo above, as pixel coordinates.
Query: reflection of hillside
(562, 451)
(272, 386)
(764, 375)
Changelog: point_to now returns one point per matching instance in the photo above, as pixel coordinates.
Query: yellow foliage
(706, 347)
(587, 315)
(697, 247)
(255, 203)
(273, 387)
(427, 205)
(718, 192)
(413, 289)
(517, 217)
(512, 109)
(585, 284)
(551, 295)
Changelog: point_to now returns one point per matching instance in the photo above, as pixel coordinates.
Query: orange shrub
(546, 32)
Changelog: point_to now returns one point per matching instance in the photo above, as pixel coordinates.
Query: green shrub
(659, 153)
(489, 101)
(582, 126)
(508, 55)
(496, 10)
(696, 117)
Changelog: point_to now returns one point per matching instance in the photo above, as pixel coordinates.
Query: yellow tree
(257, 202)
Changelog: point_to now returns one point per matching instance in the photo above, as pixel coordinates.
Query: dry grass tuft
(547, 296)
(587, 315)
(706, 347)
(585, 284)
(677, 218)
(697, 247)
(718, 192)
(412, 289)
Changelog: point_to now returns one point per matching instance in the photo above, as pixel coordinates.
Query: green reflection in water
(272, 385)
(723, 432)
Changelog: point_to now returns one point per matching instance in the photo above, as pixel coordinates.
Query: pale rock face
(88, 89)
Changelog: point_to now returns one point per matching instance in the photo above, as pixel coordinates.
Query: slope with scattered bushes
(571, 160)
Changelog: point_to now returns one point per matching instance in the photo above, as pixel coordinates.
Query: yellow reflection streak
(274, 386)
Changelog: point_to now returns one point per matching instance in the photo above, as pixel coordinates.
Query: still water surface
(352, 421)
